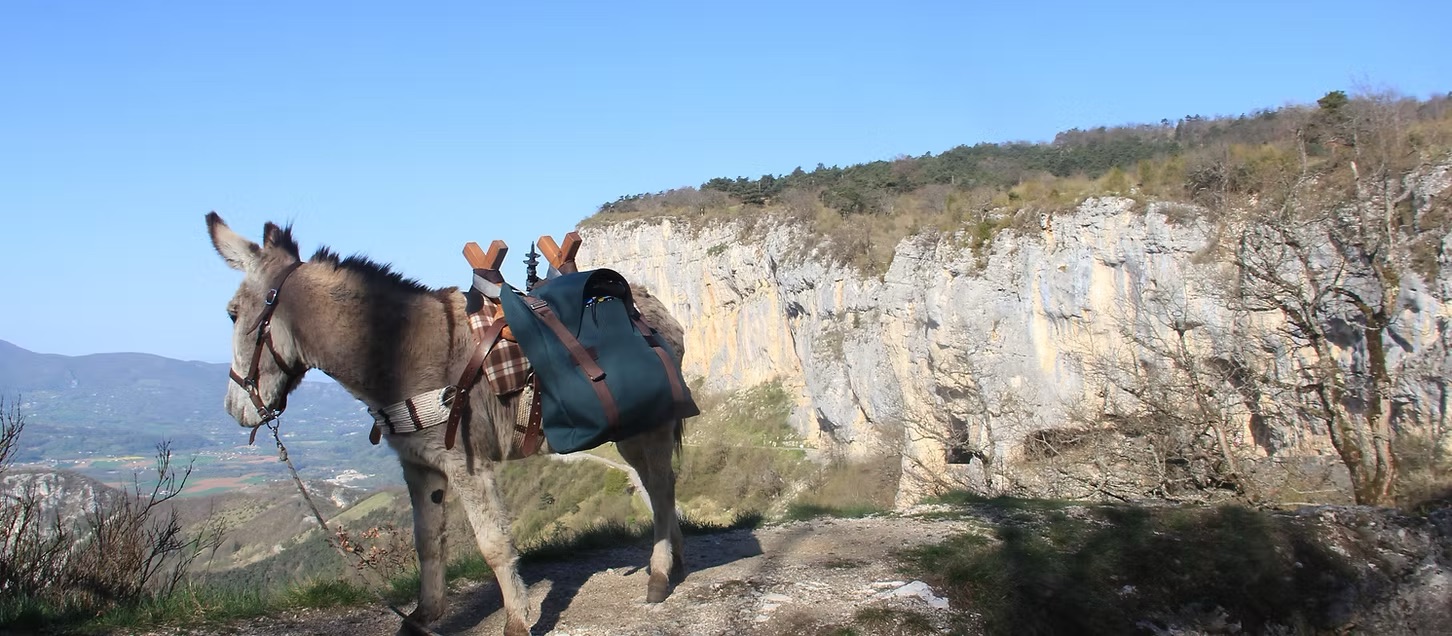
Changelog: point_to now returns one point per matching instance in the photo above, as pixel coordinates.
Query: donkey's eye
(232, 314)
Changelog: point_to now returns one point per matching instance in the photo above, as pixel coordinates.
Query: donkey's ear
(274, 237)
(240, 253)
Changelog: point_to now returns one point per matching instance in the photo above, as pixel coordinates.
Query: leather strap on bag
(678, 391)
(582, 358)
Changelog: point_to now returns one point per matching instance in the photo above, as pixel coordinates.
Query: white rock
(920, 590)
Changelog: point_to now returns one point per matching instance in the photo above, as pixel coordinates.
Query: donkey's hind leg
(479, 493)
(650, 454)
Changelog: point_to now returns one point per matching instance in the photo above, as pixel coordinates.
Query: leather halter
(263, 329)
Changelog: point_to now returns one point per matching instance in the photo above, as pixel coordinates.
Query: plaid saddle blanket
(505, 368)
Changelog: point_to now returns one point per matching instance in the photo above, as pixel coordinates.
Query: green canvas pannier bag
(603, 373)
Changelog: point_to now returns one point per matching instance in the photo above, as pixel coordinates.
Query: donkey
(386, 338)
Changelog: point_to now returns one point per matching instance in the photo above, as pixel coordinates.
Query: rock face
(56, 495)
(955, 354)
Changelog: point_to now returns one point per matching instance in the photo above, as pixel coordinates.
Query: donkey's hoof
(412, 627)
(516, 627)
(658, 588)
(678, 570)
(418, 620)
(427, 612)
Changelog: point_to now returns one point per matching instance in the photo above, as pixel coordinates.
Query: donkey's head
(266, 362)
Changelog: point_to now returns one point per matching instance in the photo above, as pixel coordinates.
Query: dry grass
(845, 488)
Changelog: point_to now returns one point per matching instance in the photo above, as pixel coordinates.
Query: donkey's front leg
(428, 489)
(479, 493)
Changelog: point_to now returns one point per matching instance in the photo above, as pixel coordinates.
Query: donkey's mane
(371, 270)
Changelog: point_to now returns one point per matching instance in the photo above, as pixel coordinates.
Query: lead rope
(327, 534)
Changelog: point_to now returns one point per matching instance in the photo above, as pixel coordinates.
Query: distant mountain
(120, 395)
(29, 371)
(117, 405)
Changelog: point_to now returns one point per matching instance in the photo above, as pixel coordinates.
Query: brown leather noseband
(262, 327)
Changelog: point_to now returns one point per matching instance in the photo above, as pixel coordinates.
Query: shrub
(126, 549)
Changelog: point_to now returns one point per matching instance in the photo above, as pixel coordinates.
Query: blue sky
(401, 130)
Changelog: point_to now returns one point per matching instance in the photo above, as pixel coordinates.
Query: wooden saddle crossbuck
(505, 367)
(573, 355)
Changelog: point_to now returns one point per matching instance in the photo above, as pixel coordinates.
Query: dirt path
(786, 579)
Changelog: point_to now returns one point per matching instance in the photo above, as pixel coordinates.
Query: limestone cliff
(955, 354)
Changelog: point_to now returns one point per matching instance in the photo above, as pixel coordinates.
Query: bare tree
(1329, 249)
(137, 544)
(12, 422)
(957, 448)
(126, 547)
(1176, 386)
(33, 544)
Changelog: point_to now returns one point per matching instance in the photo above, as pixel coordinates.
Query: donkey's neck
(383, 341)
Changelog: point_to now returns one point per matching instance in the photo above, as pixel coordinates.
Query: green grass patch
(614, 534)
(187, 607)
(740, 455)
(892, 622)
(567, 545)
(31, 614)
(1001, 502)
(554, 498)
(804, 511)
(328, 593)
(849, 489)
(378, 501)
(755, 416)
(471, 567)
(743, 520)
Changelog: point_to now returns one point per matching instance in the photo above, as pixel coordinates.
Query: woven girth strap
(417, 413)
(530, 433)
